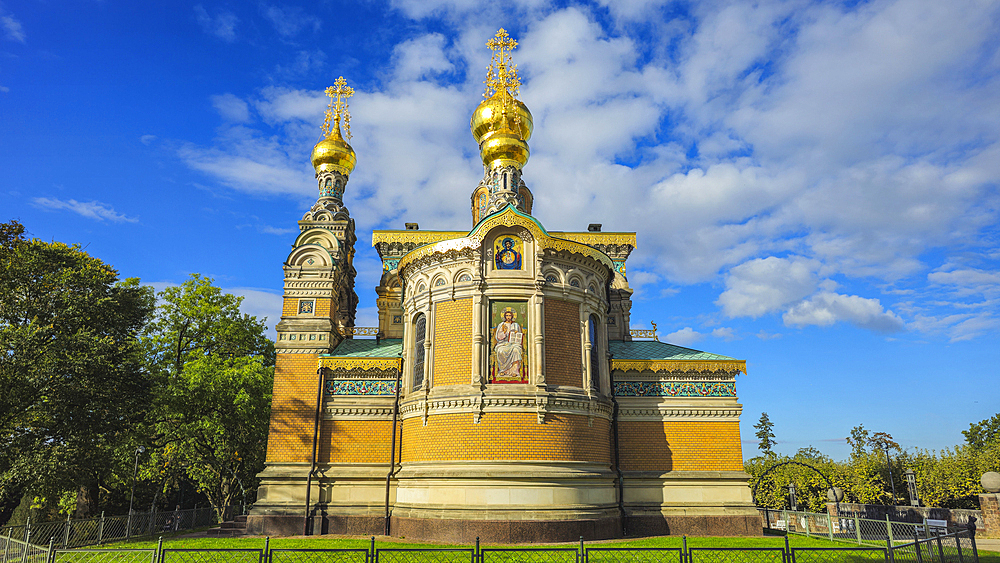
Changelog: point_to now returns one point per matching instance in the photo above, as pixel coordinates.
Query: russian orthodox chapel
(503, 394)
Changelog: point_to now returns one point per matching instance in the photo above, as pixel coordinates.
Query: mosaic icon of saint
(508, 258)
(509, 351)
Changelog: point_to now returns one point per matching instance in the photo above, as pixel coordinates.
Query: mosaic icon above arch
(508, 342)
(508, 252)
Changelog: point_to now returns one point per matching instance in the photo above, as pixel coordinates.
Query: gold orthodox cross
(337, 108)
(502, 75)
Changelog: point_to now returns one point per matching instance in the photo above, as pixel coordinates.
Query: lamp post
(888, 466)
(911, 485)
(131, 496)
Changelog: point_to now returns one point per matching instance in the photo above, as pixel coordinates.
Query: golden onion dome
(488, 118)
(333, 153)
(503, 148)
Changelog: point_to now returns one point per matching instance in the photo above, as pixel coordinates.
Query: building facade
(503, 395)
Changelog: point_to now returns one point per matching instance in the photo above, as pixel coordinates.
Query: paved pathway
(987, 544)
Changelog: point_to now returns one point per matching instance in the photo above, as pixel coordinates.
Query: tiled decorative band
(355, 387)
(675, 389)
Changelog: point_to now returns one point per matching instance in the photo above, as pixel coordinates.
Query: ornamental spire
(337, 108)
(502, 81)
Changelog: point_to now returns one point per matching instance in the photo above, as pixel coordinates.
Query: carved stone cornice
(354, 412)
(483, 405)
(679, 413)
(281, 348)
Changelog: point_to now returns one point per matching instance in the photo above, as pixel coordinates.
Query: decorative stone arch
(463, 276)
(301, 256)
(320, 237)
(552, 275)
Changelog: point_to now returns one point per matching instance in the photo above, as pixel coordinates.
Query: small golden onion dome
(487, 118)
(504, 149)
(333, 153)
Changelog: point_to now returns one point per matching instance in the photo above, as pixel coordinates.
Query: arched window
(418, 351)
(595, 348)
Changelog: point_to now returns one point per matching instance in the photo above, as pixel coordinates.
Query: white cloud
(684, 337)
(761, 286)
(416, 58)
(89, 209)
(231, 108)
(147, 139)
(725, 333)
(12, 28)
(266, 229)
(773, 145)
(826, 308)
(290, 20)
(222, 24)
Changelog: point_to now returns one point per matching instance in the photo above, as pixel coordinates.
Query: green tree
(983, 433)
(71, 368)
(859, 440)
(765, 433)
(215, 369)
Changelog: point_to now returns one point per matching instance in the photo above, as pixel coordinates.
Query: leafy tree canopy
(215, 370)
(70, 366)
(983, 433)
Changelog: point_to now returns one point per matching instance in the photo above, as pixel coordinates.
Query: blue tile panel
(675, 389)
(361, 387)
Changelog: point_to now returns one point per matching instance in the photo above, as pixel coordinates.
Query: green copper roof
(367, 348)
(655, 350)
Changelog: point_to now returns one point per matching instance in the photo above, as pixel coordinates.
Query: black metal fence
(955, 547)
(96, 531)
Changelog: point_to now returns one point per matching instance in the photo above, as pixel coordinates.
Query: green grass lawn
(382, 542)
(179, 541)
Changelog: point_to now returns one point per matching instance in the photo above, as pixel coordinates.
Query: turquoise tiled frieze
(675, 389)
(361, 387)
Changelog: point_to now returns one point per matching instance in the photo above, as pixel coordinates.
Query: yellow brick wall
(506, 436)
(563, 351)
(452, 342)
(650, 445)
(356, 441)
(290, 307)
(293, 408)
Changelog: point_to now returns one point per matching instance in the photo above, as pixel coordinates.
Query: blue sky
(814, 184)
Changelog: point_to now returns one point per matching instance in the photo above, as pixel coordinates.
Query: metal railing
(955, 547)
(82, 532)
(852, 528)
(644, 332)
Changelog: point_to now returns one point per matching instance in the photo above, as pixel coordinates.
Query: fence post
(267, 547)
(27, 542)
(888, 550)
(829, 526)
(958, 545)
(371, 554)
(6, 544)
(685, 554)
(857, 527)
(100, 529)
(888, 528)
(940, 547)
(158, 555)
(68, 524)
(805, 515)
(788, 551)
(475, 556)
(916, 546)
(975, 552)
(27, 528)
